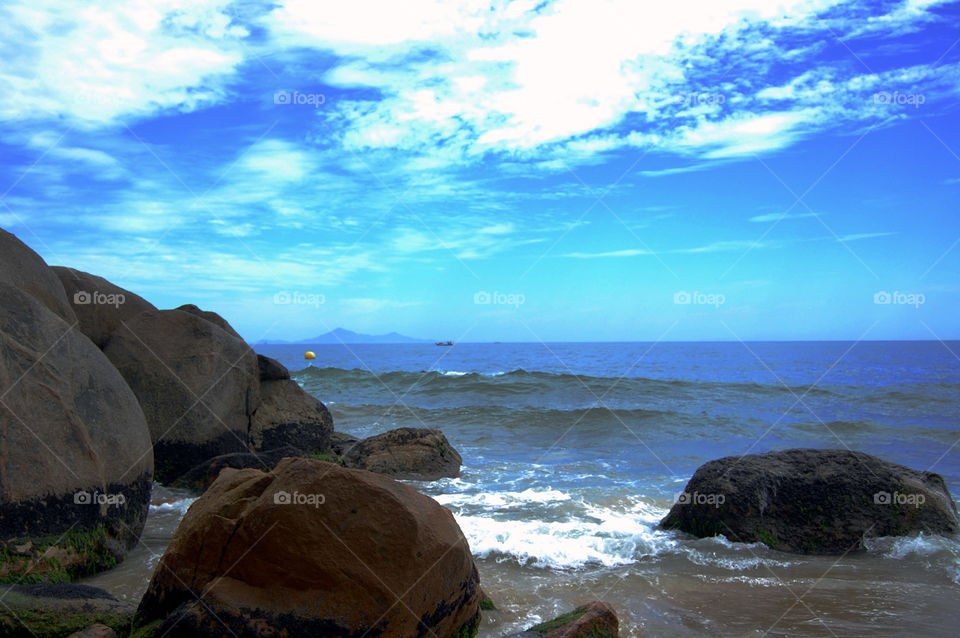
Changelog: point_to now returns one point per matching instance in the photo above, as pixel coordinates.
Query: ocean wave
(587, 534)
(523, 382)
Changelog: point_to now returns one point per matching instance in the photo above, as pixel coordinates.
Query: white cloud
(629, 252)
(96, 63)
(775, 217)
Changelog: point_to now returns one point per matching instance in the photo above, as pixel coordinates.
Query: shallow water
(574, 452)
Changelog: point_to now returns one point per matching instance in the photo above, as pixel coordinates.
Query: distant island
(342, 335)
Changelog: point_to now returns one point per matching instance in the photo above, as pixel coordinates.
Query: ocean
(573, 452)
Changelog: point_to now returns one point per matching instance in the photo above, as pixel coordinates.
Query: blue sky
(567, 170)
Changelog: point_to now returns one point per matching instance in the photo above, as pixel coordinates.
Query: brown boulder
(22, 268)
(100, 306)
(76, 464)
(406, 453)
(289, 416)
(593, 620)
(198, 386)
(314, 549)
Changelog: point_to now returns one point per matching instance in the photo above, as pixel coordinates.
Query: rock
(593, 620)
(313, 549)
(340, 443)
(289, 416)
(100, 306)
(271, 369)
(812, 501)
(54, 611)
(200, 477)
(198, 386)
(95, 631)
(76, 464)
(407, 453)
(22, 268)
(212, 317)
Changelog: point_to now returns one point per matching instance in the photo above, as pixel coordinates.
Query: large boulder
(313, 549)
(76, 464)
(22, 268)
(55, 611)
(289, 416)
(812, 501)
(100, 306)
(593, 620)
(406, 453)
(197, 383)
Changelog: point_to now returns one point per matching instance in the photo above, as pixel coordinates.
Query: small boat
(444, 343)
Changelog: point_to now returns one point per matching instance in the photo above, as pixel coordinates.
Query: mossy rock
(56, 611)
(59, 559)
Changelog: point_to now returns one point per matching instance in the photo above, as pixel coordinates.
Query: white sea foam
(502, 499)
(586, 534)
(180, 506)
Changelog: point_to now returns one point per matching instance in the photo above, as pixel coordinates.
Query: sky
(566, 170)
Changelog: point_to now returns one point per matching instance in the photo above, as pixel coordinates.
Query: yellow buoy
(309, 355)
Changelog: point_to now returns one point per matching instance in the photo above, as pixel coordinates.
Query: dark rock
(22, 268)
(340, 442)
(407, 453)
(55, 611)
(100, 306)
(313, 549)
(289, 416)
(76, 464)
(200, 477)
(198, 386)
(271, 369)
(212, 317)
(593, 620)
(812, 501)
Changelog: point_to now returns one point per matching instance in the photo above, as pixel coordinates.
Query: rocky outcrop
(76, 464)
(812, 501)
(202, 476)
(406, 453)
(313, 549)
(22, 268)
(197, 383)
(593, 620)
(55, 611)
(100, 307)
